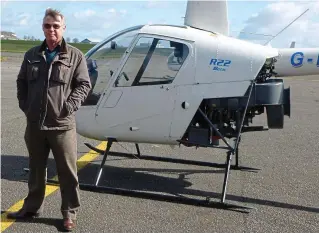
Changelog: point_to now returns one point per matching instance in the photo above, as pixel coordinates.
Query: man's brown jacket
(50, 94)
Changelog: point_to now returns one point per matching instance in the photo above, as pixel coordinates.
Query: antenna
(287, 26)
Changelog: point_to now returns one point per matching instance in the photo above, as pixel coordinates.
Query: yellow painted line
(81, 163)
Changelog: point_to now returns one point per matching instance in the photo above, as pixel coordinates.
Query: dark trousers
(63, 144)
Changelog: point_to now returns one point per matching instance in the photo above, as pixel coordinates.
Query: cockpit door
(145, 89)
(112, 99)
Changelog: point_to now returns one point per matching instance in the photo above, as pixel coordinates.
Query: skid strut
(108, 147)
(138, 150)
(232, 150)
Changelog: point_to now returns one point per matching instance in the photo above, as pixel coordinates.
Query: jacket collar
(63, 53)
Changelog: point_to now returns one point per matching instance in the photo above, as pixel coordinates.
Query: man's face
(53, 28)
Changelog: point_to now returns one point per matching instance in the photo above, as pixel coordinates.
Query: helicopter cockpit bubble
(104, 59)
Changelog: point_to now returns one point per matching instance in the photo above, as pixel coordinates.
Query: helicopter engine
(233, 115)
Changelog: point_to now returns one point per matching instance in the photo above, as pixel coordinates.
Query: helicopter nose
(85, 122)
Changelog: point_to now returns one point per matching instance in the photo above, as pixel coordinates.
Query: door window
(152, 61)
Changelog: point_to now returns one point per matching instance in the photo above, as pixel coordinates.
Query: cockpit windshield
(104, 59)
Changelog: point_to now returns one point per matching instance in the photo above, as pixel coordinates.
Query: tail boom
(297, 62)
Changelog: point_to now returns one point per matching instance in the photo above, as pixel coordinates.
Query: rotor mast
(210, 16)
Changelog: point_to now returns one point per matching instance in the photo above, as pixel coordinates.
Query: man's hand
(81, 86)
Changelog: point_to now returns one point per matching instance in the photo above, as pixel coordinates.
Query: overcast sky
(96, 20)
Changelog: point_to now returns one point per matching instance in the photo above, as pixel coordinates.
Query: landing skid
(156, 196)
(174, 160)
(163, 197)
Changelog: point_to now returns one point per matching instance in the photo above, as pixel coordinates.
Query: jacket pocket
(61, 71)
(33, 70)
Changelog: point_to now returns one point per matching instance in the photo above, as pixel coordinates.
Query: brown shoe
(21, 214)
(68, 224)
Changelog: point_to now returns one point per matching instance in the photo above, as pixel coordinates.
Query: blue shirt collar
(51, 54)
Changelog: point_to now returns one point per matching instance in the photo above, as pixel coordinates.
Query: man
(52, 84)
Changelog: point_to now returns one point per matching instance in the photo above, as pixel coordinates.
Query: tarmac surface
(283, 193)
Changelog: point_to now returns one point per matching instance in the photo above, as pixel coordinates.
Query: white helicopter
(189, 85)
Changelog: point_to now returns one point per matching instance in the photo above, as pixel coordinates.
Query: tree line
(68, 39)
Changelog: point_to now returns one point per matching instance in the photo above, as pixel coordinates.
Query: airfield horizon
(21, 46)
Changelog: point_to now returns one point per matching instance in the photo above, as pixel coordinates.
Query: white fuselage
(213, 66)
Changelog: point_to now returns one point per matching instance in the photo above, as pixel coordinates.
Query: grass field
(21, 46)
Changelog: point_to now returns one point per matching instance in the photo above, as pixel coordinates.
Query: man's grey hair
(54, 14)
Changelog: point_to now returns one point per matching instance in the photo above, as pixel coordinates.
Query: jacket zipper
(45, 92)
